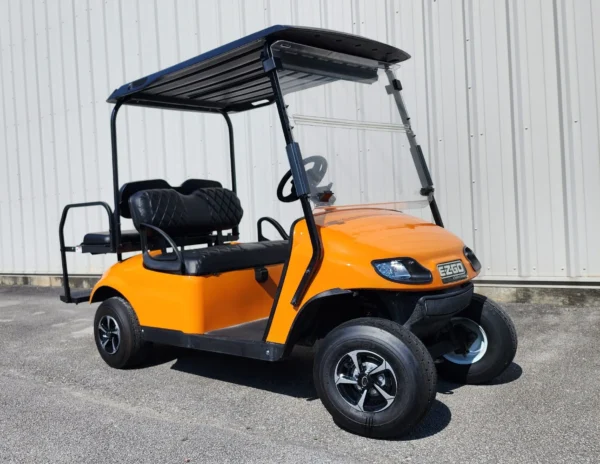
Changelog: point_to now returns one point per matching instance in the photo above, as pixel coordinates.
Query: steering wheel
(315, 175)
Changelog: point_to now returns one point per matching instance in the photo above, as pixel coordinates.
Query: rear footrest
(77, 296)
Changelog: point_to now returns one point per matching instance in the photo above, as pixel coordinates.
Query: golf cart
(386, 297)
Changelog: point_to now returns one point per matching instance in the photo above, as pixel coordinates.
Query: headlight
(403, 270)
(475, 264)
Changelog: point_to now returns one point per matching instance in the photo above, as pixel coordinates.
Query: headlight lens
(393, 270)
(470, 255)
(403, 270)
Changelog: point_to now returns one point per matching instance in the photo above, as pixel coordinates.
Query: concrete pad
(59, 402)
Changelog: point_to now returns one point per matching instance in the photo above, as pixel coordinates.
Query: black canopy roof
(232, 78)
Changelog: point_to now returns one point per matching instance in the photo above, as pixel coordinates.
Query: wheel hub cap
(109, 334)
(477, 340)
(366, 381)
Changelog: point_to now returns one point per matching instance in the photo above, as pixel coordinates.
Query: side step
(77, 296)
(251, 331)
(255, 349)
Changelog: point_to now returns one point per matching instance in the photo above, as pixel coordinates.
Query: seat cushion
(223, 258)
(103, 238)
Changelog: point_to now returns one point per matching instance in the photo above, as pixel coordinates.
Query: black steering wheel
(315, 175)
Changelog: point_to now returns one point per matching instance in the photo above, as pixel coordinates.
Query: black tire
(130, 350)
(414, 376)
(501, 344)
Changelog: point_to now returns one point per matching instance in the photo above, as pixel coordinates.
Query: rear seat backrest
(190, 185)
(201, 212)
(130, 188)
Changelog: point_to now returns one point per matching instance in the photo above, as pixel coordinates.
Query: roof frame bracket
(269, 64)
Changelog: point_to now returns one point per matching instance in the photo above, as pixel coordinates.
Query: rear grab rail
(174, 264)
(67, 297)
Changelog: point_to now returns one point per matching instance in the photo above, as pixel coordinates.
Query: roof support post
(299, 177)
(231, 151)
(235, 230)
(116, 235)
(415, 149)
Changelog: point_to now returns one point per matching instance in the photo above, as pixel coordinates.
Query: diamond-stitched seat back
(201, 212)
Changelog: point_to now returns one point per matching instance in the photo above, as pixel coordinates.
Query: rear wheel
(374, 377)
(491, 343)
(118, 334)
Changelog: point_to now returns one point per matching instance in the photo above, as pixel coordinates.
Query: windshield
(354, 145)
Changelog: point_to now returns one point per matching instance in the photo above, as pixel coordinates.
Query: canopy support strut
(300, 181)
(116, 236)
(415, 149)
(235, 230)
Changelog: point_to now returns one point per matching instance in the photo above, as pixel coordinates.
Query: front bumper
(432, 312)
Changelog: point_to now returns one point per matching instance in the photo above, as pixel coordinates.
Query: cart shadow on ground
(511, 374)
(293, 377)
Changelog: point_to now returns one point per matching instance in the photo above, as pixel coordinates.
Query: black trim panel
(282, 280)
(264, 351)
(289, 342)
(325, 294)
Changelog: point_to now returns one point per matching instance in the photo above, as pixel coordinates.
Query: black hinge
(269, 64)
(395, 85)
(261, 274)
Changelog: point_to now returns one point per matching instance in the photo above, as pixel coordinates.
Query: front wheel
(374, 377)
(491, 343)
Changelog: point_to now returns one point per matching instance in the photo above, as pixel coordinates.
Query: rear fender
(108, 286)
(104, 293)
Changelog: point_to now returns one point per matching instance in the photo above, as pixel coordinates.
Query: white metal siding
(504, 96)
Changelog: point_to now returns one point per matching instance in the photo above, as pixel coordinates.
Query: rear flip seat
(103, 238)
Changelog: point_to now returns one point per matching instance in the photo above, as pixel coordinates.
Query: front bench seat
(206, 210)
(224, 258)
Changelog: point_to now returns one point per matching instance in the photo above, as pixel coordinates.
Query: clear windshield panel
(354, 145)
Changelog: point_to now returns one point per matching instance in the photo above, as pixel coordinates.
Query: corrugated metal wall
(505, 97)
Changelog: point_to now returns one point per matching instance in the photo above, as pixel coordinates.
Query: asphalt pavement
(59, 402)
